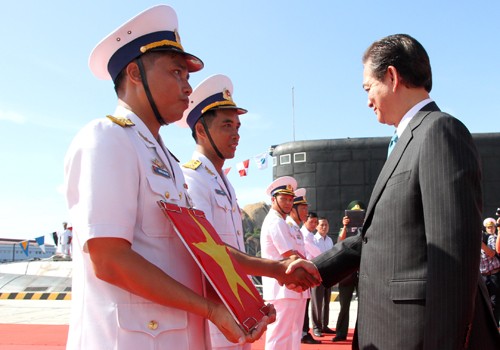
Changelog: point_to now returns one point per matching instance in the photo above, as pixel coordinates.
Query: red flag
(243, 167)
(224, 273)
(227, 170)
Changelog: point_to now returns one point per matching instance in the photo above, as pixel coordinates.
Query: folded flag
(219, 266)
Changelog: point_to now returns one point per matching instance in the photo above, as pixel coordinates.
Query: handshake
(298, 274)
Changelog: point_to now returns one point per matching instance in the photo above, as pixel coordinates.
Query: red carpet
(326, 343)
(50, 337)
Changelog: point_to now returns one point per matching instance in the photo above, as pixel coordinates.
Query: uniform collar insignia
(145, 138)
(209, 171)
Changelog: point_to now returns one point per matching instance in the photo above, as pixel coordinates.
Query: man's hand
(345, 221)
(299, 274)
(221, 317)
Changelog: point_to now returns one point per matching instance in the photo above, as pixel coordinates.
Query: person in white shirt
(320, 296)
(298, 216)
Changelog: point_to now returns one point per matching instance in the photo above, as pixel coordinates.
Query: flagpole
(293, 114)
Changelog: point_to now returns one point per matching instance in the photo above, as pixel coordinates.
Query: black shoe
(308, 339)
(317, 333)
(338, 338)
(328, 331)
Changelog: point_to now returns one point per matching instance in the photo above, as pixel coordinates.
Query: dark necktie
(394, 139)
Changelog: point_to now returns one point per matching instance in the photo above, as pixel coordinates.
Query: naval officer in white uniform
(214, 120)
(135, 286)
(213, 117)
(278, 242)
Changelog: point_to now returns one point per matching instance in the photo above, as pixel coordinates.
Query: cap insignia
(227, 94)
(123, 122)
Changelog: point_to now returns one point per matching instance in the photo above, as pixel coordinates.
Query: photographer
(490, 265)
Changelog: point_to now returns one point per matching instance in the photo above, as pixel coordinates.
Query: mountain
(253, 215)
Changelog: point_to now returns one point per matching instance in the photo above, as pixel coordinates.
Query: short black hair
(404, 53)
(208, 117)
(312, 214)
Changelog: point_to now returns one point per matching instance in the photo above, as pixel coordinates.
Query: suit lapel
(395, 157)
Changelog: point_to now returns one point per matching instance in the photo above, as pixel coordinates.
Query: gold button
(153, 325)
(180, 195)
(167, 195)
(238, 232)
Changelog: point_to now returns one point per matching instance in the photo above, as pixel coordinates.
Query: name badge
(159, 171)
(221, 192)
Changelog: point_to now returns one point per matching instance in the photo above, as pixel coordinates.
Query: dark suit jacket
(419, 282)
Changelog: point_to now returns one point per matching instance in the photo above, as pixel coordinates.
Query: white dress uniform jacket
(114, 177)
(312, 250)
(276, 239)
(214, 194)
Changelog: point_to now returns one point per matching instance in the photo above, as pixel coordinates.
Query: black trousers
(493, 285)
(320, 301)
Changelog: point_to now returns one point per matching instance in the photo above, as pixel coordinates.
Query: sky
(295, 65)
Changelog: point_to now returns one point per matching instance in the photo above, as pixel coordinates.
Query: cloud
(12, 117)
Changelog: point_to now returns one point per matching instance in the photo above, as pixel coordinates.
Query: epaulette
(123, 122)
(192, 164)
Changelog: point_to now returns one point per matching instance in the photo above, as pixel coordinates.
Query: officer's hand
(221, 317)
(261, 327)
(299, 274)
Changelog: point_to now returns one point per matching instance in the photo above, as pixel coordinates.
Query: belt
(492, 272)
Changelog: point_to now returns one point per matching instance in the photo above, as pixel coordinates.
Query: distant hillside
(253, 215)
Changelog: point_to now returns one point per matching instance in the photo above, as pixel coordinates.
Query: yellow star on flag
(220, 255)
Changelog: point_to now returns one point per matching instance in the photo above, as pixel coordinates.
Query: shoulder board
(123, 122)
(192, 164)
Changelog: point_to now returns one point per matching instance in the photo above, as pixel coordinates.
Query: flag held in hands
(222, 271)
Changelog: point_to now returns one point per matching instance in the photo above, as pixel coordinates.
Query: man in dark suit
(419, 285)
